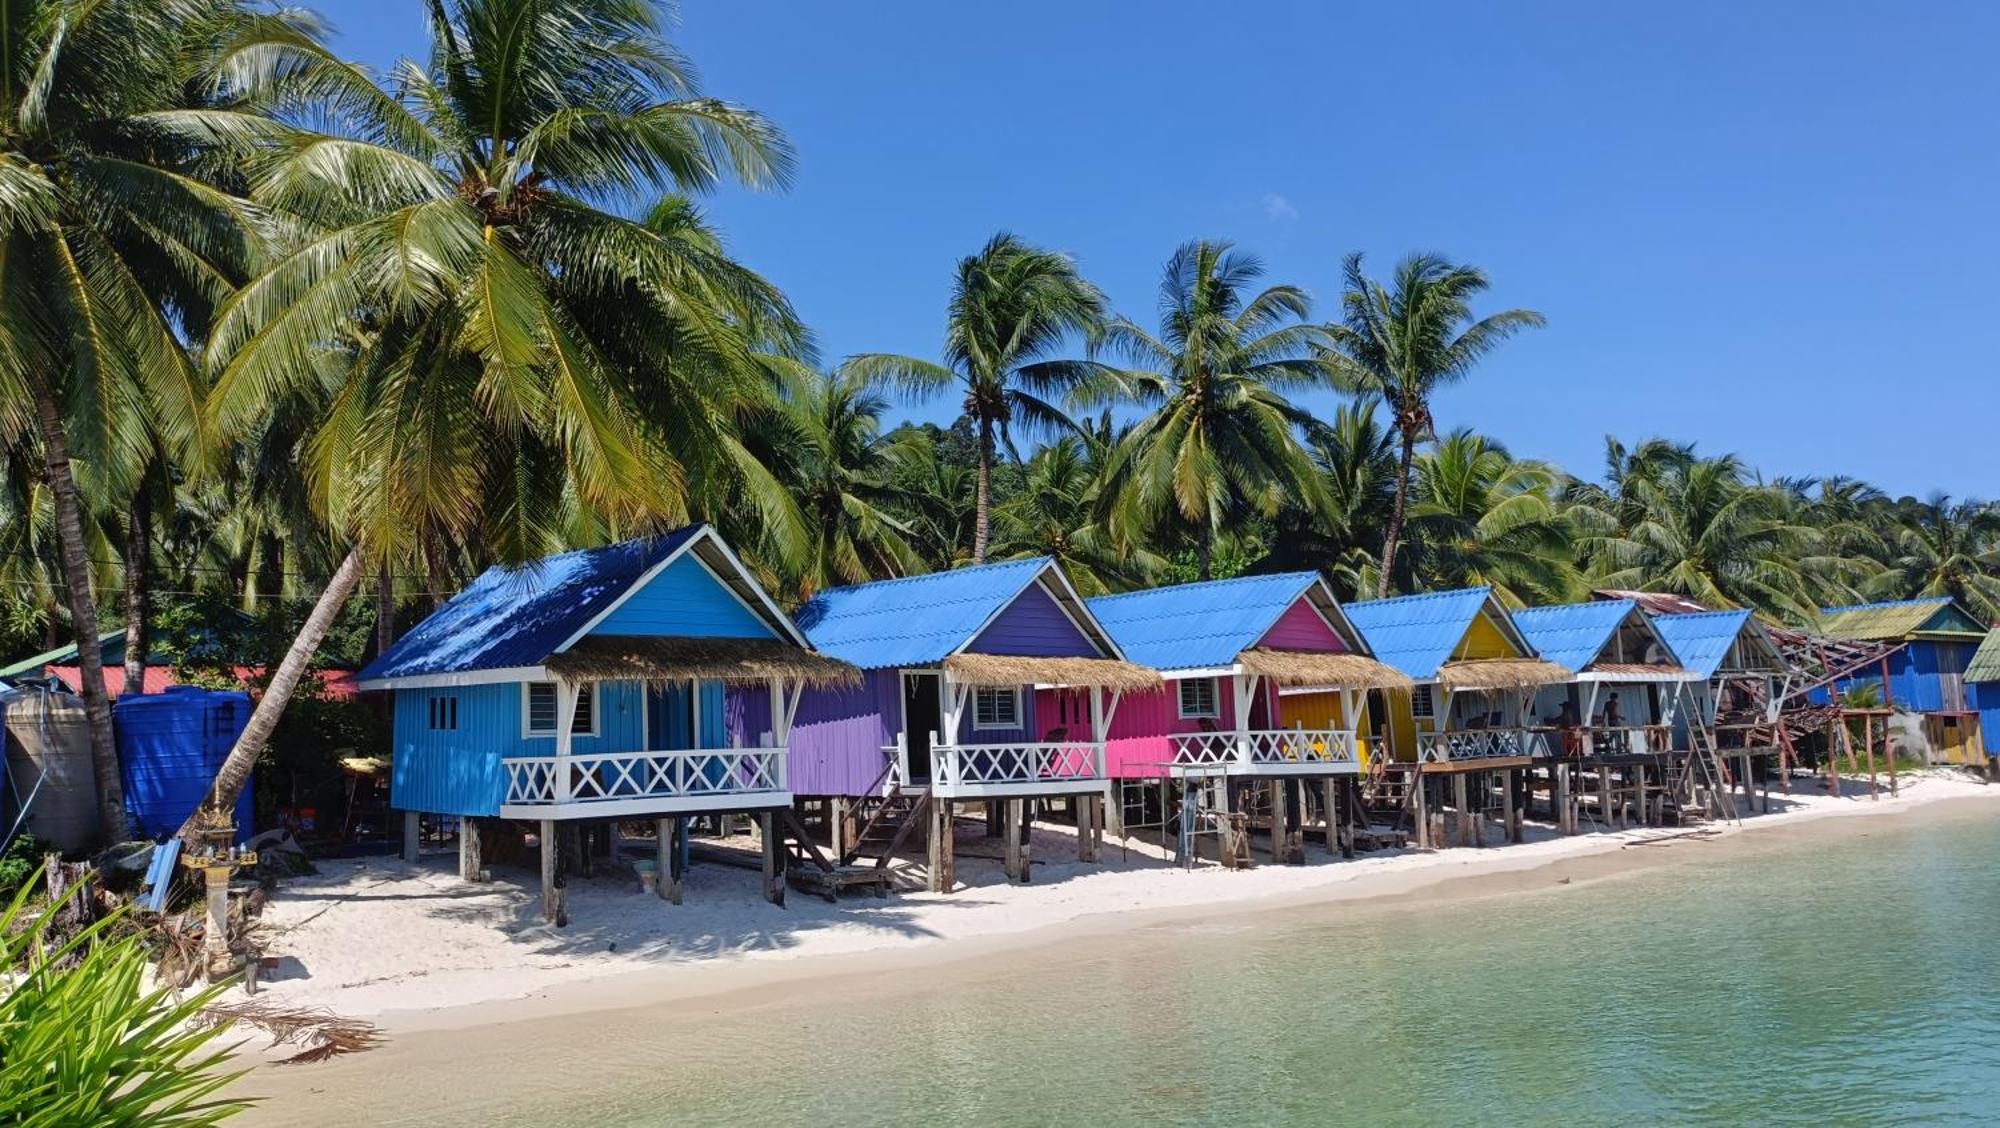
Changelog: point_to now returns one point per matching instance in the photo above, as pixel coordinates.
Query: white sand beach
(413, 947)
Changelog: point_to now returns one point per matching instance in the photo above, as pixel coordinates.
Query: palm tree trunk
(1393, 537)
(138, 574)
(982, 517)
(82, 613)
(1205, 551)
(235, 770)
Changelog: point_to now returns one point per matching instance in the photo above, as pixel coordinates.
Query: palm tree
(824, 442)
(1481, 516)
(1703, 532)
(527, 365)
(1405, 342)
(1355, 458)
(1221, 438)
(1051, 514)
(1942, 547)
(1013, 308)
(935, 488)
(117, 237)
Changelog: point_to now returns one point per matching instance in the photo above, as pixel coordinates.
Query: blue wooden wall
(1915, 674)
(684, 599)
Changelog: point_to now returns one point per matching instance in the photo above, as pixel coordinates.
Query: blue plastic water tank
(169, 747)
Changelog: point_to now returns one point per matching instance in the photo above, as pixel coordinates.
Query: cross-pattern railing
(1196, 752)
(608, 777)
(958, 767)
(1476, 744)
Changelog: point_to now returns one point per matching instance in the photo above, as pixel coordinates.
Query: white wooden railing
(1263, 749)
(1477, 744)
(1054, 766)
(631, 779)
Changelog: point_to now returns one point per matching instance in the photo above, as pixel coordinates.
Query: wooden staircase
(1388, 804)
(899, 814)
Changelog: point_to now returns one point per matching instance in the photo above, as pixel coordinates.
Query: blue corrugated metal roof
(1198, 625)
(511, 617)
(1417, 633)
(1701, 639)
(914, 620)
(1572, 635)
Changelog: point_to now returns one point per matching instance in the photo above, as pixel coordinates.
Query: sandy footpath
(413, 947)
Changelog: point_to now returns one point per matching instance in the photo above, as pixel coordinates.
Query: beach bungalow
(946, 713)
(1744, 679)
(652, 679)
(1625, 681)
(1225, 649)
(1465, 716)
(1927, 675)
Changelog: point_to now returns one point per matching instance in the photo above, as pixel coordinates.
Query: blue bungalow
(651, 679)
(946, 710)
(1926, 675)
(1743, 676)
(1626, 683)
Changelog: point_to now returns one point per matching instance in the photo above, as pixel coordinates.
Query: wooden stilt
(941, 877)
(1114, 811)
(1512, 812)
(1330, 800)
(555, 908)
(1423, 810)
(1462, 820)
(413, 824)
(469, 861)
(836, 825)
(1278, 831)
(996, 818)
(1089, 810)
(1565, 812)
(1604, 795)
(1868, 741)
(1011, 849)
(774, 857)
(1026, 835)
(667, 879)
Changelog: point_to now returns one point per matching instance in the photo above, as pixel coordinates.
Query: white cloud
(1277, 207)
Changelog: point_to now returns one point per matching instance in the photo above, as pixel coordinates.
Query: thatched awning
(1012, 669)
(679, 658)
(1321, 669)
(1501, 673)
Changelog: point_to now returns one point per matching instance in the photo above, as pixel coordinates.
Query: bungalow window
(1423, 705)
(541, 720)
(444, 714)
(1198, 699)
(996, 708)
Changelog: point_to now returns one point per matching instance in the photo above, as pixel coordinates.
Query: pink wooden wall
(1302, 628)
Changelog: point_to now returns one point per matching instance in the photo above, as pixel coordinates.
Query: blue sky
(1763, 227)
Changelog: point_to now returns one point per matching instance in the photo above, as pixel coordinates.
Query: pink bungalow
(1224, 648)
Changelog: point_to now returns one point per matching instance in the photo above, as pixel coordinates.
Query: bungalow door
(923, 714)
(670, 718)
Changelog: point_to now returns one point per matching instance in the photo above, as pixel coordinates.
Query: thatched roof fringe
(678, 658)
(1012, 669)
(1321, 669)
(1500, 673)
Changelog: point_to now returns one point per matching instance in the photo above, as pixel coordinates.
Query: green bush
(83, 1042)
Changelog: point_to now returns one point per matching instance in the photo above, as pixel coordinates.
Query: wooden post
(1565, 814)
(774, 857)
(1025, 832)
(836, 825)
(937, 841)
(1511, 809)
(1463, 818)
(1889, 754)
(413, 824)
(555, 908)
(469, 860)
(1330, 800)
(1114, 811)
(1422, 808)
(996, 818)
(1011, 835)
(1089, 811)
(1868, 741)
(667, 881)
(1604, 794)
(1278, 832)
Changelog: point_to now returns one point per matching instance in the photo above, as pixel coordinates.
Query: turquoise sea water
(1842, 979)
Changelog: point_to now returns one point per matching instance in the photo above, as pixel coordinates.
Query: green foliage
(21, 862)
(86, 1043)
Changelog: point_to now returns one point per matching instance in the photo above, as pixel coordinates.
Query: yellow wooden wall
(1483, 639)
(1322, 710)
(1957, 744)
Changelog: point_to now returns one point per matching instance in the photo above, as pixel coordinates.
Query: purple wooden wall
(1302, 628)
(746, 714)
(1033, 624)
(838, 736)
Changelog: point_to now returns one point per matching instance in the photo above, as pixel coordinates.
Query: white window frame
(1013, 694)
(1214, 712)
(1428, 695)
(529, 732)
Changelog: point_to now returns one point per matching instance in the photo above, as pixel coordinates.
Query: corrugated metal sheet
(1199, 625)
(1985, 665)
(1701, 639)
(1416, 633)
(1573, 634)
(1901, 619)
(915, 620)
(512, 617)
